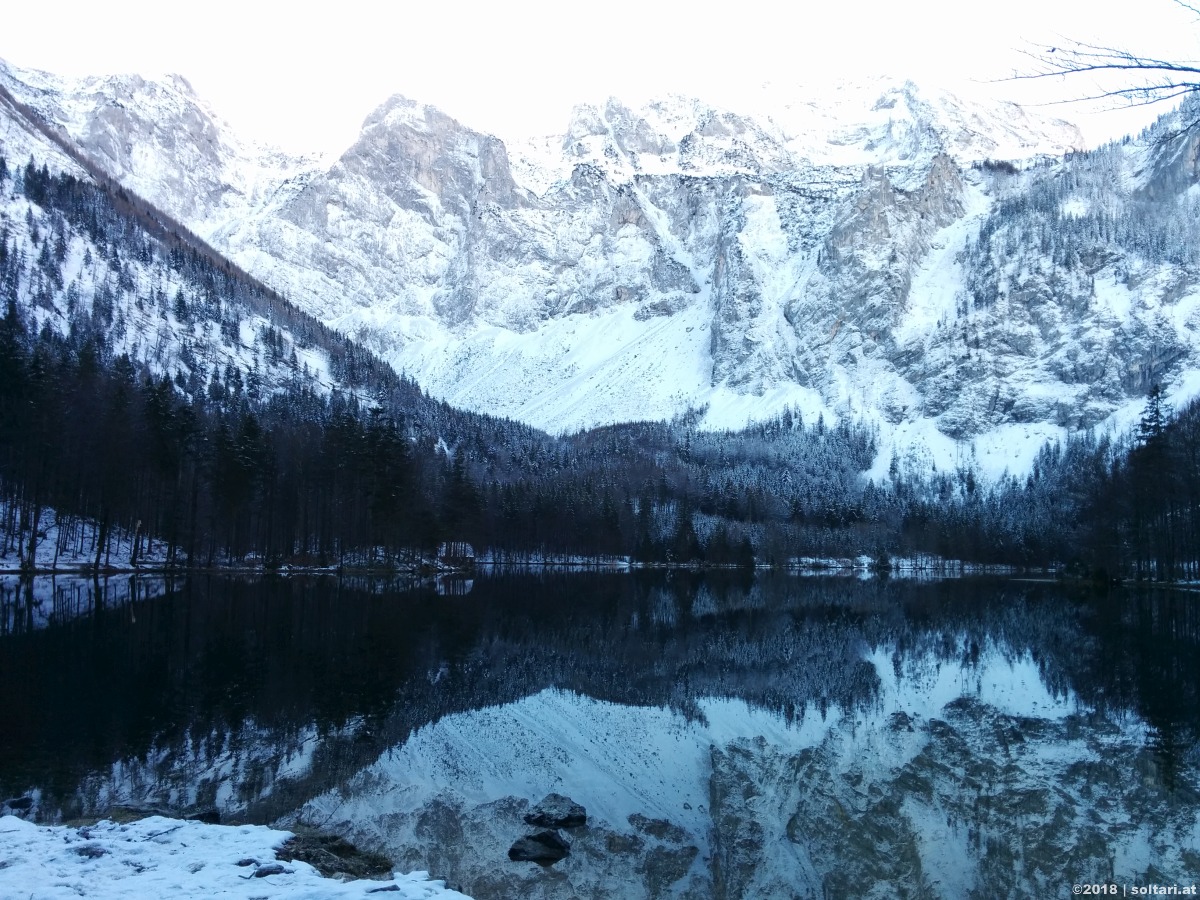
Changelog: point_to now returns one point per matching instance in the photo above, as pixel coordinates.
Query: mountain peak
(834, 251)
(399, 110)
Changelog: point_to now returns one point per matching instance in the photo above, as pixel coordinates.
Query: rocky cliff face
(158, 138)
(845, 257)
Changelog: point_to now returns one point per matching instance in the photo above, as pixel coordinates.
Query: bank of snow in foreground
(159, 857)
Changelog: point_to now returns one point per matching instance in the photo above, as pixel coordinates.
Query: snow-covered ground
(160, 857)
(69, 543)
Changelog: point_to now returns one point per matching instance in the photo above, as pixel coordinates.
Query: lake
(731, 735)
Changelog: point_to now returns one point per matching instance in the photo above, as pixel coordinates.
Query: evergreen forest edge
(376, 471)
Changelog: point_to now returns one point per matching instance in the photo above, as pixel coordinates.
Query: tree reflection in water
(256, 695)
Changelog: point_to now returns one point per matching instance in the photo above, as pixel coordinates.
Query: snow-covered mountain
(158, 139)
(862, 254)
(77, 262)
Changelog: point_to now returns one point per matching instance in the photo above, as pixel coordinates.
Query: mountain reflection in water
(730, 735)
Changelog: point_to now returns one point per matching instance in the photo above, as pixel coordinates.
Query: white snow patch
(1075, 208)
(1011, 685)
(160, 857)
(1115, 298)
(938, 285)
(574, 372)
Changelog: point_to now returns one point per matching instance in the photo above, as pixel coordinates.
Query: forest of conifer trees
(251, 457)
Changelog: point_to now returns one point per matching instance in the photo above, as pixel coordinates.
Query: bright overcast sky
(306, 75)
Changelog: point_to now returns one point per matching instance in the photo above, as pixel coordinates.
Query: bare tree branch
(1189, 7)
(1116, 75)
(1155, 80)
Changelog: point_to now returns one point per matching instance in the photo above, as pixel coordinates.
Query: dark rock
(900, 721)
(334, 856)
(664, 866)
(22, 803)
(209, 816)
(659, 828)
(247, 861)
(557, 811)
(384, 890)
(90, 851)
(544, 848)
(271, 869)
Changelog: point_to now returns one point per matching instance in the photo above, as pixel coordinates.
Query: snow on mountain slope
(159, 139)
(854, 254)
(573, 369)
(22, 141)
(885, 121)
(148, 309)
(783, 128)
(77, 263)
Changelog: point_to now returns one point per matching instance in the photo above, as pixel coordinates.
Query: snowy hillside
(185, 159)
(860, 254)
(159, 305)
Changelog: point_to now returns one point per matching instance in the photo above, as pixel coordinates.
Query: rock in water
(544, 847)
(557, 811)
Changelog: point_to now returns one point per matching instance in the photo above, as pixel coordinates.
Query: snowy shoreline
(164, 857)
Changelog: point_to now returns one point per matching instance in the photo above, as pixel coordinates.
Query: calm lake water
(730, 736)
